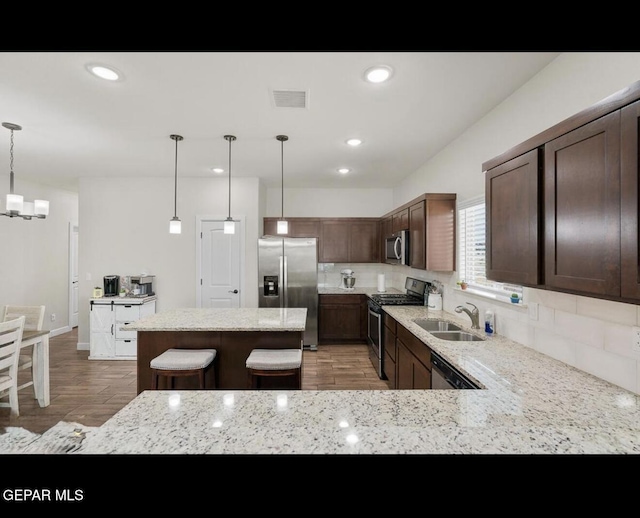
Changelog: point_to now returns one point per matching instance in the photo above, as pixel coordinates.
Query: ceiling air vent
(290, 98)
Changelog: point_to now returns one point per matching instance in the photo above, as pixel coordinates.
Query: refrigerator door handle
(285, 283)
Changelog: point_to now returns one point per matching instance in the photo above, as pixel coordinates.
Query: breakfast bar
(232, 332)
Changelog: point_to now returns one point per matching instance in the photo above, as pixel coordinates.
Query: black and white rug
(62, 438)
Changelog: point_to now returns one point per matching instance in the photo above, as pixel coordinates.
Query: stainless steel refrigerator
(288, 278)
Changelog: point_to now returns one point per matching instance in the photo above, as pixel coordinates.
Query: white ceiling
(75, 124)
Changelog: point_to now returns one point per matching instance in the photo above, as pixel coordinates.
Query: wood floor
(89, 392)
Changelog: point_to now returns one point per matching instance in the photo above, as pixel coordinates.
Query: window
(472, 250)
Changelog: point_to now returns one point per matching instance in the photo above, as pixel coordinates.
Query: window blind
(472, 248)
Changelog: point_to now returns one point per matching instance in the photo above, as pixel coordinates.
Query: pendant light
(175, 225)
(282, 226)
(229, 225)
(15, 204)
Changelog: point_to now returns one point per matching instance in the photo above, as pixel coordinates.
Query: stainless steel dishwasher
(445, 376)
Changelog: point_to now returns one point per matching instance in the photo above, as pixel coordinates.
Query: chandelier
(15, 204)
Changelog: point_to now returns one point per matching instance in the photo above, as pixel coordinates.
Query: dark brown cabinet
(400, 220)
(582, 208)
(342, 318)
(352, 240)
(588, 207)
(340, 240)
(298, 227)
(629, 205)
(431, 222)
(335, 241)
(441, 232)
(413, 361)
(386, 229)
(390, 353)
(417, 236)
(513, 236)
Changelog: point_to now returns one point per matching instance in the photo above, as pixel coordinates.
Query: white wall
(331, 203)
(34, 255)
(591, 334)
(125, 230)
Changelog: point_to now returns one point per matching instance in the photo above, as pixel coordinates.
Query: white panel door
(73, 275)
(220, 266)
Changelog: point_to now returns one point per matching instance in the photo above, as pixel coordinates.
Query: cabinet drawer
(127, 312)
(124, 335)
(340, 299)
(126, 347)
(419, 349)
(390, 322)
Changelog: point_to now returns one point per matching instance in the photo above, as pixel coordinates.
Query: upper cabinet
(400, 220)
(350, 240)
(298, 227)
(629, 206)
(512, 201)
(431, 223)
(565, 216)
(582, 208)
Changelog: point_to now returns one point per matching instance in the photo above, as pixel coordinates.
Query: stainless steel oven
(414, 296)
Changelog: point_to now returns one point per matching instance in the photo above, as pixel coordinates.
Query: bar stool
(182, 362)
(263, 363)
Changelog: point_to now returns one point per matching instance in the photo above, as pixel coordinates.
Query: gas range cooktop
(413, 297)
(400, 299)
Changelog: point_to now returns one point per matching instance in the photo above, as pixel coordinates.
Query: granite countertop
(530, 404)
(222, 319)
(357, 290)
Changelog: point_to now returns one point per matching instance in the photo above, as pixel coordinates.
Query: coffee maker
(348, 280)
(143, 285)
(111, 285)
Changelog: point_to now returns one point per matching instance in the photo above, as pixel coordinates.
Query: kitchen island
(529, 403)
(233, 332)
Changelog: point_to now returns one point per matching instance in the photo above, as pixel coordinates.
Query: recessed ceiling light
(354, 142)
(104, 72)
(217, 170)
(344, 170)
(378, 74)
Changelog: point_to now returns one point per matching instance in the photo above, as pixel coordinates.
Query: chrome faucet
(474, 315)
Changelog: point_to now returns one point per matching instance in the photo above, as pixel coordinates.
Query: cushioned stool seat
(274, 362)
(182, 362)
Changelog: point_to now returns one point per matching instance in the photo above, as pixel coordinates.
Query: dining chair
(34, 318)
(10, 340)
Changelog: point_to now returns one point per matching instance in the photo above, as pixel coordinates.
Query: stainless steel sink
(457, 336)
(436, 325)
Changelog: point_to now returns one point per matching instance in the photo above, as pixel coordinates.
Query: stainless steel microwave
(397, 248)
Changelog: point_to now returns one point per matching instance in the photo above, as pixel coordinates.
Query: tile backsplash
(593, 335)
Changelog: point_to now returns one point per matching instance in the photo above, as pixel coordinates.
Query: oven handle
(378, 317)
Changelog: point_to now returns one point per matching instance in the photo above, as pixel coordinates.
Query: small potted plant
(462, 284)
(515, 298)
(123, 292)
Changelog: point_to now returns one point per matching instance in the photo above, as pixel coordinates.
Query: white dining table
(40, 342)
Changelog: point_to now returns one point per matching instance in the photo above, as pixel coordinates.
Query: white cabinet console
(106, 316)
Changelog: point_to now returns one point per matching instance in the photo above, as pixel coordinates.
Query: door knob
(233, 291)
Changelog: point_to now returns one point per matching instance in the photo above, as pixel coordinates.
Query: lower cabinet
(390, 350)
(342, 318)
(413, 361)
(106, 340)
